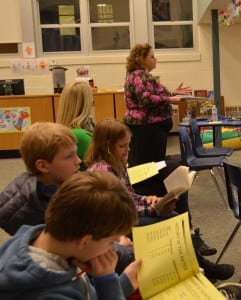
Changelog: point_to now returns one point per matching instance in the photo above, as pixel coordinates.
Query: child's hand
(131, 272)
(166, 209)
(104, 264)
(125, 241)
(152, 199)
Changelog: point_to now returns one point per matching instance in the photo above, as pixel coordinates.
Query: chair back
(195, 134)
(233, 185)
(185, 145)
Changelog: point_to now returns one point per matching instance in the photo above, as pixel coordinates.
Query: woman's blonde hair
(75, 106)
(105, 136)
(137, 56)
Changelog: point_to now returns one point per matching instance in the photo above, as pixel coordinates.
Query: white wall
(10, 29)
(196, 70)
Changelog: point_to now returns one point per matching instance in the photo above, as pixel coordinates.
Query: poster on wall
(14, 119)
(28, 50)
(30, 66)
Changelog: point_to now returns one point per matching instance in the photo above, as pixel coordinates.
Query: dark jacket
(24, 201)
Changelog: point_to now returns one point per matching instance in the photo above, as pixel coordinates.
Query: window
(60, 25)
(95, 26)
(172, 22)
(110, 24)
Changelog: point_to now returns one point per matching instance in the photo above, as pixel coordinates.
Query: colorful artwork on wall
(14, 119)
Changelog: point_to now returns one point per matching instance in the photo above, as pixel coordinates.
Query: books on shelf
(189, 97)
(144, 171)
(169, 268)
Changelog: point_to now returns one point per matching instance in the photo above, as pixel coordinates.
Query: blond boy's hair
(43, 141)
(95, 203)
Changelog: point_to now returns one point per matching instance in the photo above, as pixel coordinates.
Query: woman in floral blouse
(149, 117)
(148, 107)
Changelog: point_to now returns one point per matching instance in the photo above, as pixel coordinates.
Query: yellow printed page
(197, 287)
(142, 172)
(167, 254)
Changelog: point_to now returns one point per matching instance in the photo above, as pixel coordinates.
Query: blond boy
(49, 154)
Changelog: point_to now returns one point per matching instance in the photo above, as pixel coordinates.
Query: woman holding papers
(108, 151)
(148, 106)
(149, 117)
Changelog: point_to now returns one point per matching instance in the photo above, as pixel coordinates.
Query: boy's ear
(84, 240)
(42, 165)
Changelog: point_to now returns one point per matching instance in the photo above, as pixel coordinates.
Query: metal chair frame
(199, 149)
(233, 186)
(201, 163)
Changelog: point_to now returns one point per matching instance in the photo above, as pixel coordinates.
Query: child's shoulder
(81, 131)
(22, 179)
(100, 166)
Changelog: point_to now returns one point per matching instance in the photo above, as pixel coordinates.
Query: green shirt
(83, 140)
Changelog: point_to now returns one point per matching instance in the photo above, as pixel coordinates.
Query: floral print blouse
(147, 101)
(143, 208)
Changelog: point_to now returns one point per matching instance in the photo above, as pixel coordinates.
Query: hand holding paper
(169, 268)
(177, 183)
(169, 199)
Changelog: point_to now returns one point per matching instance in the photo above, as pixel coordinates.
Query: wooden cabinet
(45, 107)
(104, 106)
(120, 106)
(40, 108)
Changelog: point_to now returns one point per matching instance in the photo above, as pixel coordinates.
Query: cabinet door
(56, 105)
(40, 109)
(120, 106)
(103, 106)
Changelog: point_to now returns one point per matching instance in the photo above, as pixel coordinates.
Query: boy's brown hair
(105, 136)
(42, 141)
(95, 203)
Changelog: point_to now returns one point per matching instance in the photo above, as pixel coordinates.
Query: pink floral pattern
(147, 101)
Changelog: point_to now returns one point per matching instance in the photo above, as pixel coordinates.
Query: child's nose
(78, 160)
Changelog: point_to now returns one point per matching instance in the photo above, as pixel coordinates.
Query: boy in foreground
(83, 219)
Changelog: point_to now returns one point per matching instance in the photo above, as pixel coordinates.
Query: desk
(215, 126)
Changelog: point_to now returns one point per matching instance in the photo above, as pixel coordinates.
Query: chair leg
(221, 173)
(218, 188)
(229, 240)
